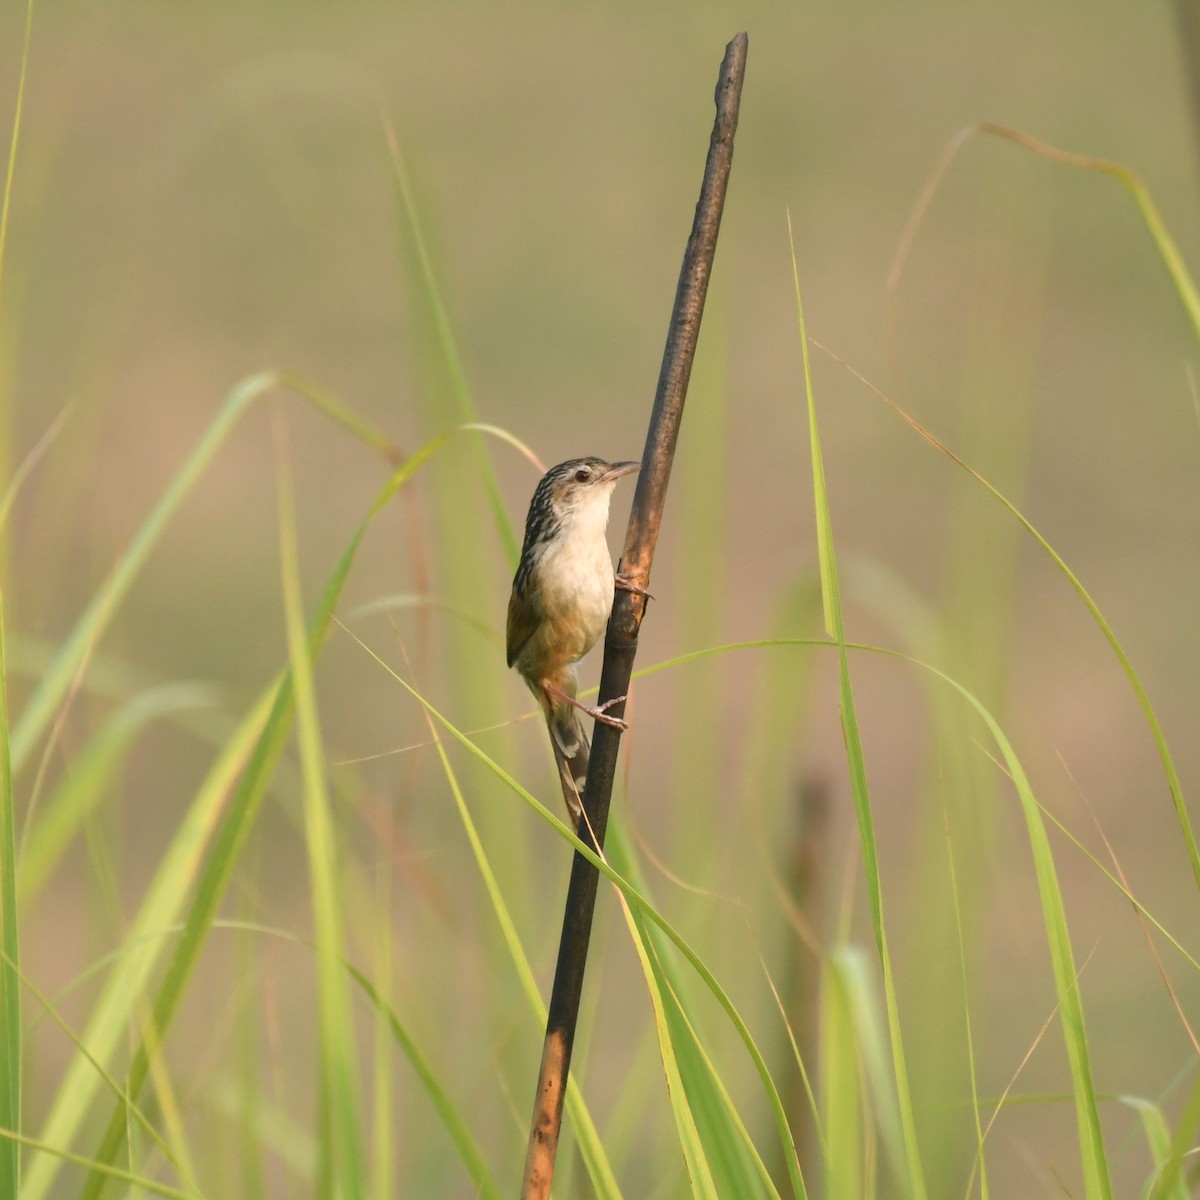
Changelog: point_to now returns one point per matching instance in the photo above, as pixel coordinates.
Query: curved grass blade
(51, 1010)
(665, 1007)
(83, 786)
(732, 1158)
(11, 1040)
(72, 655)
(1167, 1181)
(115, 1173)
(1189, 298)
(341, 1131)
(73, 652)
(587, 1139)
(642, 904)
(11, 171)
(444, 337)
(1143, 697)
(1185, 288)
(913, 1176)
(216, 827)
(849, 966)
(27, 465)
(1094, 1157)
(483, 1184)
(1095, 1161)
(840, 1074)
(980, 1165)
(120, 996)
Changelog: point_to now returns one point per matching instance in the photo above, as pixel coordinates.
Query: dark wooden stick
(620, 644)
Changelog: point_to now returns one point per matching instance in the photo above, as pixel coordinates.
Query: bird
(561, 599)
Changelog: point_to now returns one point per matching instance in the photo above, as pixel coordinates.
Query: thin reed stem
(620, 646)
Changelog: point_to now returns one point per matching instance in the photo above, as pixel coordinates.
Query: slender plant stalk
(620, 646)
(11, 1047)
(1188, 14)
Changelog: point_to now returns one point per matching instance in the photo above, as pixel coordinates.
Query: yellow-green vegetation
(900, 895)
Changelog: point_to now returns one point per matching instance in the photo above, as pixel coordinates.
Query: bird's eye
(582, 475)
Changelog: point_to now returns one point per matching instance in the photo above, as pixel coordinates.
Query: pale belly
(576, 592)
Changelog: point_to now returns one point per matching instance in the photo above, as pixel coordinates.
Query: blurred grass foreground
(292, 298)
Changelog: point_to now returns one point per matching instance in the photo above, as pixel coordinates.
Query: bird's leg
(598, 712)
(625, 583)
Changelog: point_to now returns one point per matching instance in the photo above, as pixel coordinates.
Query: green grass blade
(1095, 1161)
(871, 1037)
(382, 1180)
(214, 877)
(83, 786)
(72, 655)
(258, 740)
(114, 1086)
(965, 978)
(1183, 1141)
(1143, 697)
(444, 337)
(110, 1172)
(1185, 288)
(736, 1166)
(840, 1084)
(693, 1146)
(26, 467)
(11, 1042)
(819, 643)
(642, 904)
(117, 1002)
(337, 1048)
(1190, 299)
(913, 1176)
(11, 171)
(591, 1149)
(263, 754)
(73, 652)
(483, 1185)
(1066, 977)
(1167, 1181)
(1094, 1157)
(167, 1102)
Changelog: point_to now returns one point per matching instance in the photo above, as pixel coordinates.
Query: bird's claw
(625, 584)
(599, 712)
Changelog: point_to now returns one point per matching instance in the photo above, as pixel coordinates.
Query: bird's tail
(571, 751)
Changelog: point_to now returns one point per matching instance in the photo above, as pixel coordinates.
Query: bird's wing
(523, 620)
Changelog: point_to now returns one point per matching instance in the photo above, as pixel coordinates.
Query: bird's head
(577, 489)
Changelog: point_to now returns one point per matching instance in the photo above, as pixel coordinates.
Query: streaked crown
(564, 490)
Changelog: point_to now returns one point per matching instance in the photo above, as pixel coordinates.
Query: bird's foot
(625, 583)
(599, 712)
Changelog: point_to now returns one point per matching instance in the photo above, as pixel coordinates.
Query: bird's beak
(619, 469)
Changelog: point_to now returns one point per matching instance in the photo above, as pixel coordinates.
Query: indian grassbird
(560, 604)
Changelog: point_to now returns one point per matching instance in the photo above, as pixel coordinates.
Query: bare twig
(620, 644)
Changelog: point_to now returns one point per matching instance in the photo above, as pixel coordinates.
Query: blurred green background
(204, 191)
